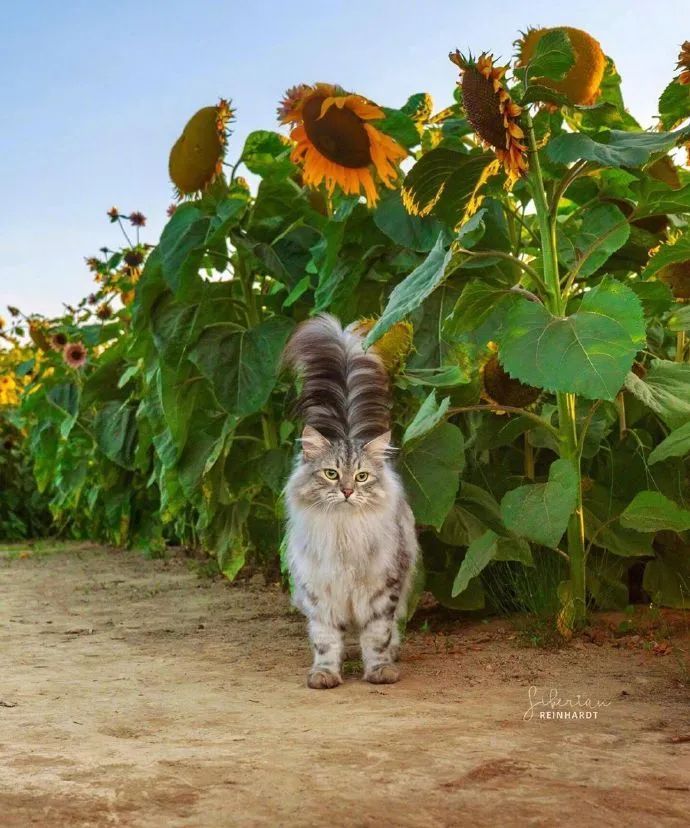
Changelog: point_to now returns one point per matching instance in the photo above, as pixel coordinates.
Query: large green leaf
(430, 414)
(430, 470)
(412, 291)
(665, 389)
(540, 511)
(677, 444)
(553, 56)
(679, 251)
(604, 230)
(115, 430)
(654, 512)
(674, 104)
(267, 154)
(613, 148)
(242, 366)
(489, 547)
(479, 301)
(588, 353)
(413, 232)
(182, 246)
(602, 526)
(667, 578)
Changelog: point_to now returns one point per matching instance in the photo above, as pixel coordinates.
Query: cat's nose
(347, 492)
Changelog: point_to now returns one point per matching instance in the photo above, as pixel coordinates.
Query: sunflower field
(520, 260)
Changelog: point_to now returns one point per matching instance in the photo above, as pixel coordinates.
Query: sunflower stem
(567, 422)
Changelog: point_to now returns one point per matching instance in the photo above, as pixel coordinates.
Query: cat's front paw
(323, 679)
(382, 674)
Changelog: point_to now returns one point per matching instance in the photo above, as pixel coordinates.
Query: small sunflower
(581, 84)
(196, 159)
(677, 276)
(499, 388)
(684, 63)
(74, 354)
(58, 341)
(137, 219)
(334, 142)
(104, 311)
(394, 345)
(492, 112)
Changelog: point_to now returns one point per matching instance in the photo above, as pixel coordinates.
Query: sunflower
(336, 144)
(499, 388)
(684, 63)
(492, 112)
(393, 347)
(58, 341)
(196, 159)
(137, 219)
(8, 390)
(581, 84)
(74, 354)
(677, 276)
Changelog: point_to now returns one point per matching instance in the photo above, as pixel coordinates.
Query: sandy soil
(134, 693)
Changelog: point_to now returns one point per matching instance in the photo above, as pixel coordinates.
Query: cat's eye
(360, 477)
(331, 474)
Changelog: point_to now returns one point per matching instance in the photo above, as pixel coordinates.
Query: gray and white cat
(351, 541)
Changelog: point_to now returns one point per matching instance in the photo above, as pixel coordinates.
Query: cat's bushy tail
(345, 391)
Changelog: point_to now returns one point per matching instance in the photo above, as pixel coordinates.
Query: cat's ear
(313, 443)
(379, 447)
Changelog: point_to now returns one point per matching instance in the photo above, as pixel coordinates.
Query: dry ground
(134, 693)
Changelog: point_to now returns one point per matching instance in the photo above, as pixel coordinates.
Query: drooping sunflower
(677, 276)
(196, 159)
(499, 388)
(492, 112)
(684, 63)
(581, 84)
(393, 347)
(335, 141)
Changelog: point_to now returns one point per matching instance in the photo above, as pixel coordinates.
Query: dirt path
(133, 693)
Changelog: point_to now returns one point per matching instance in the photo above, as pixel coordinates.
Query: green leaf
(602, 525)
(115, 430)
(399, 126)
(664, 390)
(674, 104)
(614, 148)
(430, 414)
(679, 320)
(242, 366)
(679, 251)
(677, 444)
(430, 471)
(487, 548)
(604, 230)
(588, 353)
(443, 377)
(442, 181)
(553, 56)
(479, 301)
(540, 511)
(656, 297)
(412, 232)
(267, 154)
(182, 246)
(654, 512)
(412, 291)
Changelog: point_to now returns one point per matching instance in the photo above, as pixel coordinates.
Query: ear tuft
(379, 447)
(313, 443)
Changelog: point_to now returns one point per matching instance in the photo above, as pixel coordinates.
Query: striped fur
(345, 391)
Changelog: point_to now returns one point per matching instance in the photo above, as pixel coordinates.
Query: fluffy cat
(351, 541)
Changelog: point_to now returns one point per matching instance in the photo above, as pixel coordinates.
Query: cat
(351, 539)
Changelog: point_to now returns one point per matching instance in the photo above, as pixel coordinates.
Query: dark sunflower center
(505, 390)
(482, 106)
(339, 136)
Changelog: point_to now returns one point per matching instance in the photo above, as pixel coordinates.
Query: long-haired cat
(351, 541)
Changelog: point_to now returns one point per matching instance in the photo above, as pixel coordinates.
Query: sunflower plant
(520, 259)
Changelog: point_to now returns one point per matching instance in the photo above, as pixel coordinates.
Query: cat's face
(342, 474)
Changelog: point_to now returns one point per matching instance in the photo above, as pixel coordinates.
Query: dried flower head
(74, 354)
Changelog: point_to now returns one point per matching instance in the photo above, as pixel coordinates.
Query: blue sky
(95, 93)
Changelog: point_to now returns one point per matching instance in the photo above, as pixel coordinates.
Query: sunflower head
(196, 159)
(137, 219)
(499, 388)
(74, 354)
(677, 276)
(394, 345)
(581, 84)
(104, 311)
(684, 63)
(336, 144)
(58, 341)
(491, 111)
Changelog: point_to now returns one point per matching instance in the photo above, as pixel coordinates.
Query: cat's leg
(377, 642)
(327, 643)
